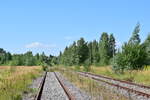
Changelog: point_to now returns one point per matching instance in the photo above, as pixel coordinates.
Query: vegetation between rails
(15, 80)
(89, 86)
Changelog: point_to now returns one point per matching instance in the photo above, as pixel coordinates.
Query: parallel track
(96, 77)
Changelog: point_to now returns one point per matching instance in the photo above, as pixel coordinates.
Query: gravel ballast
(76, 92)
(126, 93)
(52, 89)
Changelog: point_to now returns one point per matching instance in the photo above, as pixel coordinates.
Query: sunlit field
(142, 76)
(14, 80)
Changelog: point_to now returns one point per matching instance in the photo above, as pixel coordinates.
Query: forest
(133, 55)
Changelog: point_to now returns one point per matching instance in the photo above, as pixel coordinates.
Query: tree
(29, 59)
(2, 56)
(104, 49)
(95, 52)
(133, 55)
(112, 45)
(74, 58)
(82, 50)
(90, 56)
(146, 44)
(135, 38)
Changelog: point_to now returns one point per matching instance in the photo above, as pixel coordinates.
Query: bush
(132, 57)
(44, 67)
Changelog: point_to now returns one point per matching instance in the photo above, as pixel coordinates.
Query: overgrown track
(123, 81)
(39, 94)
(139, 90)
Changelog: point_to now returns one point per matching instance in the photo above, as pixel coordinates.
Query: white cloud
(68, 37)
(39, 45)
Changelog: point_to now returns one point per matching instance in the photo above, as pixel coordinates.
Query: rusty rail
(39, 94)
(116, 85)
(70, 96)
(123, 81)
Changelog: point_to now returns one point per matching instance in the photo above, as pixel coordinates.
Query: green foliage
(135, 39)
(104, 49)
(77, 68)
(82, 50)
(5, 57)
(112, 45)
(133, 55)
(87, 68)
(146, 44)
(27, 59)
(95, 53)
(45, 67)
(89, 53)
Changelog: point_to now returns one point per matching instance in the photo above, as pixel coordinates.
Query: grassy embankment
(14, 80)
(141, 77)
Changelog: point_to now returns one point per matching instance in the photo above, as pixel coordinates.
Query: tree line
(26, 59)
(89, 53)
(133, 55)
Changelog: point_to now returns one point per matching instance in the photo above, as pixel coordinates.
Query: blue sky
(50, 25)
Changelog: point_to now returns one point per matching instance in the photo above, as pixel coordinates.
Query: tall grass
(14, 81)
(141, 77)
(93, 88)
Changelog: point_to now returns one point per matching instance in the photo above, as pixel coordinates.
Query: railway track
(40, 95)
(136, 90)
(70, 96)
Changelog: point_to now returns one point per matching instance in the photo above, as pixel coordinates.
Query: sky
(51, 25)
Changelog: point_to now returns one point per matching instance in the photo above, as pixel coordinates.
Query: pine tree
(74, 55)
(146, 44)
(111, 46)
(82, 50)
(90, 56)
(104, 49)
(95, 52)
(135, 39)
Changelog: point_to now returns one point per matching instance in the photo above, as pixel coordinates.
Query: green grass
(14, 81)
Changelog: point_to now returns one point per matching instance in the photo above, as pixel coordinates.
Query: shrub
(132, 57)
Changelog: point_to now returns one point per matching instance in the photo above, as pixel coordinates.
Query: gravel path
(76, 92)
(52, 89)
(122, 91)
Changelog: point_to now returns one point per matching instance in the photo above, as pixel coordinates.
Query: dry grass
(14, 80)
(142, 77)
(94, 89)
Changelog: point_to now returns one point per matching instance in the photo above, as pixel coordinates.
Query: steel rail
(116, 85)
(39, 94)
(123, 81)
(70, 96)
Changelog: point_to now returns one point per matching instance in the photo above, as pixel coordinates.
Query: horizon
(50, 26)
